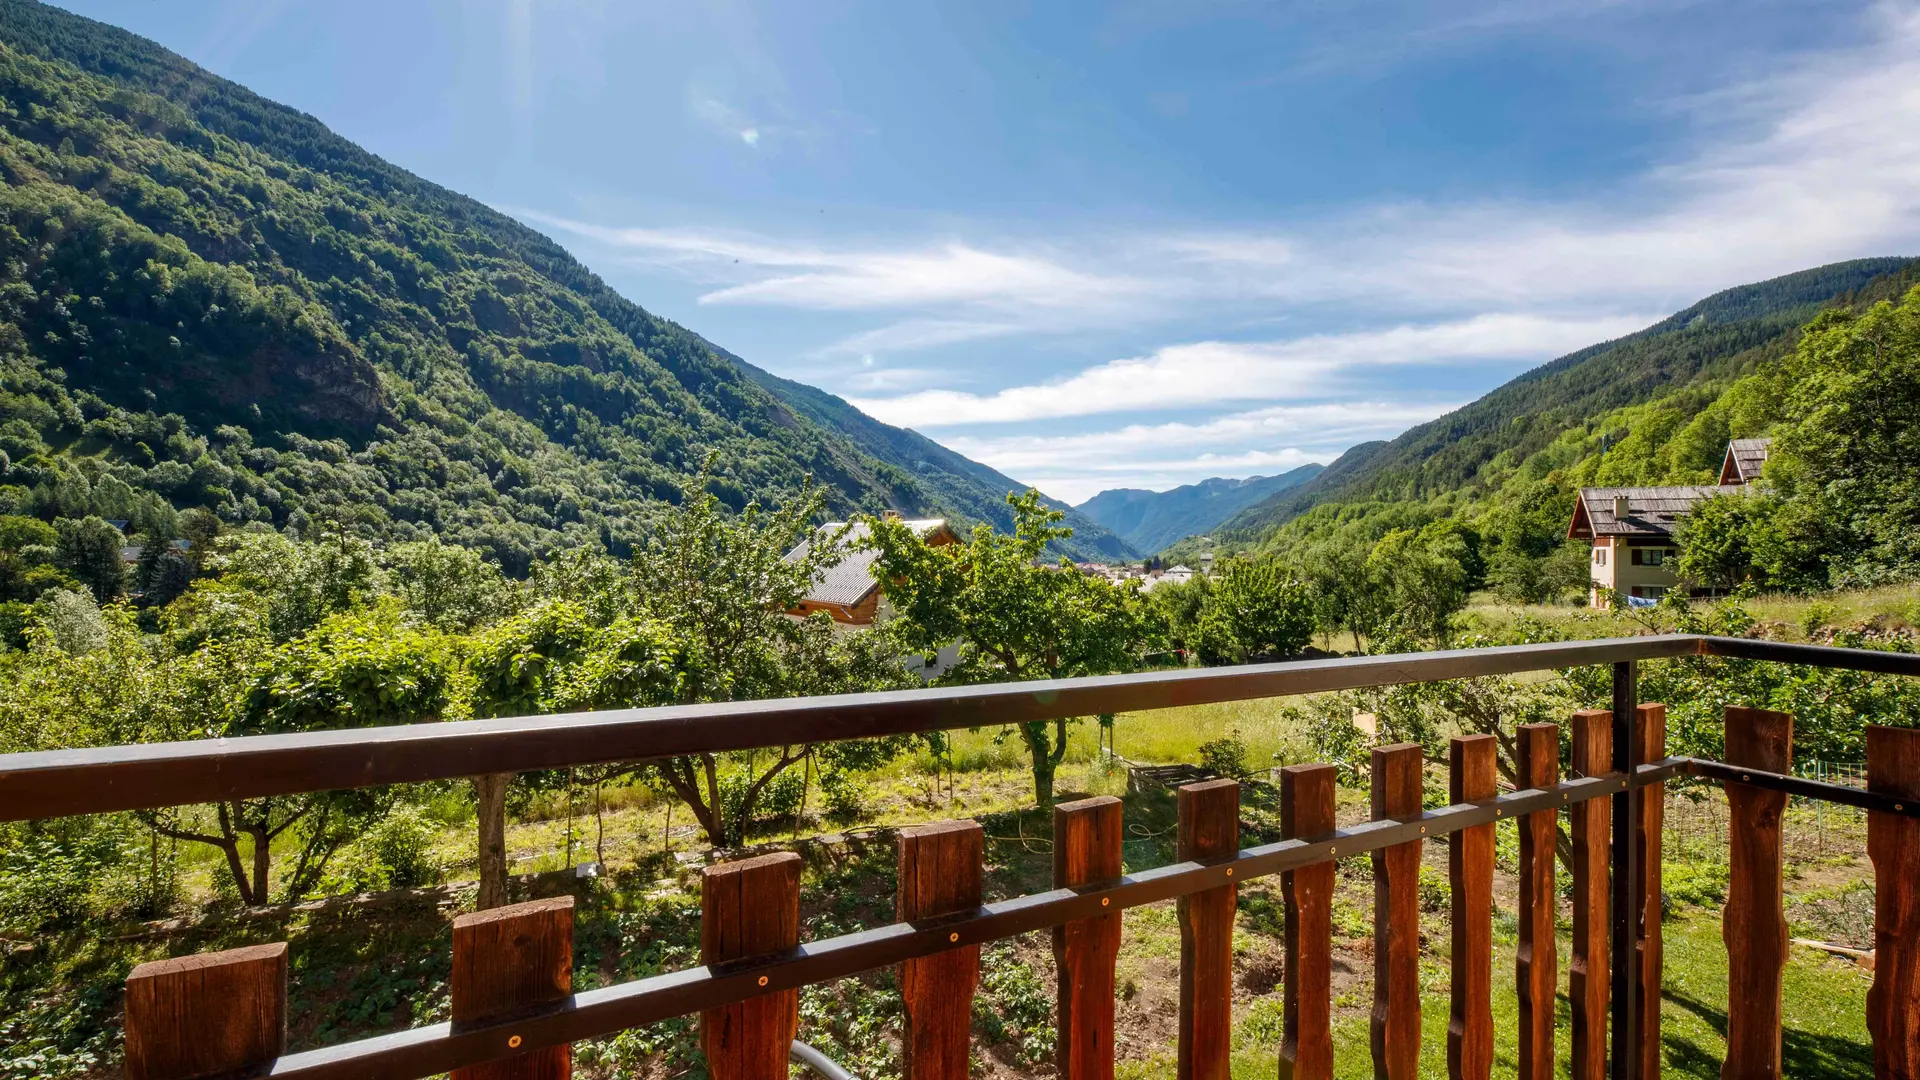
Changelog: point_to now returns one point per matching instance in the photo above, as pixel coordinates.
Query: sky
(1131, 244)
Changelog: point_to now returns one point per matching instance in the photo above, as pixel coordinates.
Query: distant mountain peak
(1150, 520)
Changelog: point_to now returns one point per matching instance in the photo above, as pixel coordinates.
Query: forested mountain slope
(1706, 345)
(210, 300)
(1150, 520)
(960, 485)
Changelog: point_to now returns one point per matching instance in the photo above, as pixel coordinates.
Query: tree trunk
(262, 861)
(1046, 759)
(491, 793)
(230, 844)
(706, 808)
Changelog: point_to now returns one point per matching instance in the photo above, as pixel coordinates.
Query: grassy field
(1789, 617)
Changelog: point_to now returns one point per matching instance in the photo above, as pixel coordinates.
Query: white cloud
(1323, 426)
(1212, 372)
(915, 334)
(1259, 441)
(953, 273)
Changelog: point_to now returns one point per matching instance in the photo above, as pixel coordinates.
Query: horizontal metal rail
(60, 783)
(438, 1048)
(1804, 788)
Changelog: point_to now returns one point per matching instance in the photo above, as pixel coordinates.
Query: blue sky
(1132, 244)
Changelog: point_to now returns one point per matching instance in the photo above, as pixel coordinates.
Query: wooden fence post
(1587, 967)
(1398, 772)
(750, 908)
(1209, 831)
(507, 959)
(208, 1014)
(1470, 778)
(1893, 843)
(1086, 851)
(1652, 728)
(1306, 813)
(940, 868)
(1754, 923)
(1536, 961)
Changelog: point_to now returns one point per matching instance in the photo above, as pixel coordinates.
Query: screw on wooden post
(1652, 728)
(1536, 964)
(1587, 967)
(1754, 923)
(1209, 831)
(748, 909)
(1470, 768)
(1086, 851)
(1306, 813)
(940, 870)
(509, 960)
(1893, 843)
(207, 1015)
(1398, 774)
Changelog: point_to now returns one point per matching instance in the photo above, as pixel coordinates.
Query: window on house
(1599, 556)
(1639, 556)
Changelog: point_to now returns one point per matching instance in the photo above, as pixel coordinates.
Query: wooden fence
(514, 1014)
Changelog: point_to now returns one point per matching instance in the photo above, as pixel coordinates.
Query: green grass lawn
(1824, 1001)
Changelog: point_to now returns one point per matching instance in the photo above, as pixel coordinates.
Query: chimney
(1620, 510)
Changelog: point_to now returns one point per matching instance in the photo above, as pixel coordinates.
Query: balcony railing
(514, 1013)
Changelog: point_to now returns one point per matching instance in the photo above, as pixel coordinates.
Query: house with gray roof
(1633, 532)
(848, 591)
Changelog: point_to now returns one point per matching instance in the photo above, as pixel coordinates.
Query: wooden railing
(514, 1014)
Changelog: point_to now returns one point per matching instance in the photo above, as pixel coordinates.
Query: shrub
(400, 849)
(1226, 757)
(1436, 890)
(845, 796)
(47, 881)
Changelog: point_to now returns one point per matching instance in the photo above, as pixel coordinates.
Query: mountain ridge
(1151, 520)
(211, 300)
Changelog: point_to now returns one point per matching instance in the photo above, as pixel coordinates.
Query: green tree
(1256, 608)
(1423, 576)
(451, 587)
(353, 670)
(721, 585)
(1846, 451)
(1014, 616)
(1716, 540)
(89, 549)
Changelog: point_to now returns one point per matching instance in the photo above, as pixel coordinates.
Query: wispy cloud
(915, 334)
(1213, 372)
(1322, 427)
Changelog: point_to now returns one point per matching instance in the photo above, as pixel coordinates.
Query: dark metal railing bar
(62, 783)
(1624, 992)
(425, 1051)
(1876, 661)
(1803, 787)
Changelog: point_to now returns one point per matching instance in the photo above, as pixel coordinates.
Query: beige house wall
(1611, 567)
